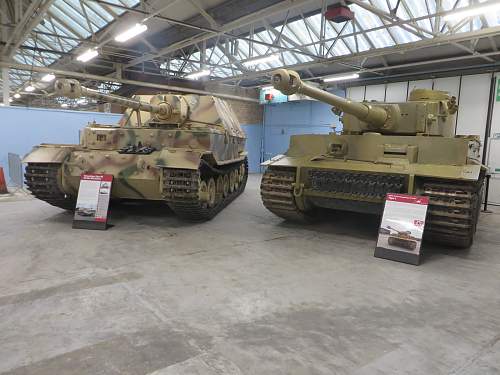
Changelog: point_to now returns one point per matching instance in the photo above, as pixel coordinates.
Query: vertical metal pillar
(6, 86)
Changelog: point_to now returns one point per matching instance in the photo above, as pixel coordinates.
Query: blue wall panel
(297, 117)
(253, 146)
(23, 128)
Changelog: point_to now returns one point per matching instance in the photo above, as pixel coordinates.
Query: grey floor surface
(243, 294)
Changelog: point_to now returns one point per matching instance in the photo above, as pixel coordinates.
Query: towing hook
(298, 189)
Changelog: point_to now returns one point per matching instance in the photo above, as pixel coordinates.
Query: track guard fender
(48, 154)
(179, 159)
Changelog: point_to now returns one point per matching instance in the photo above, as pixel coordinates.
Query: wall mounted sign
(93, 201)
(498, 90)
(402, 228)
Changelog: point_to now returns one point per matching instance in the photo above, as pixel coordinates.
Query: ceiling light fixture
(29, 88)
(87, 55)
(341, 78)
(137, 29)
(261, 60)
(465, 12)
(48, 77)
(196, 75)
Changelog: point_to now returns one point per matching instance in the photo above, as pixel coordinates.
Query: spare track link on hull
(181, 191)
(41, 179)
(276, 191)
(453, 212)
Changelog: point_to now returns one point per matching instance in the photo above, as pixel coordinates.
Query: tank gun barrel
(289, 82)
(72, 89)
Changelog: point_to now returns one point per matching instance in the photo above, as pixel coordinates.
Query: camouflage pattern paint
(189, 129)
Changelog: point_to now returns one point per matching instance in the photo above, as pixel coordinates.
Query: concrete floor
(242, 294)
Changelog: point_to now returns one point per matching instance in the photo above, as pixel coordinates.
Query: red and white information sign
(402, 228)
(93, 201)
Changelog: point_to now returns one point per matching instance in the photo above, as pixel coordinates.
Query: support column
(6, 86)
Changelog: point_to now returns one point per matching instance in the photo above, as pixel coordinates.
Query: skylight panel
(402, 36)
(300, 30)
(382, 4)
(243, 49)
(73, 16)
(366, 19)
(82, 32)
(97, 18)
(101, 11)
(60, 28)
(380, 38)
(339, 49)
(331, 31)
(290, 35)
(363, 44)
(264, 36)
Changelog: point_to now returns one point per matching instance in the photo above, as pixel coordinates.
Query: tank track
(276, 191)
(181, 191)
(452, 215)
(453, 211)
(358, 186)
(42, 181)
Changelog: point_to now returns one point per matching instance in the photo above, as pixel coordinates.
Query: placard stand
(93, 201)
(402, 228)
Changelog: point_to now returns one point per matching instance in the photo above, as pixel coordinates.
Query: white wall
(472, 93)
(473, 109)
(396, 92)
(375, 92)
(422, 84)
(356, 93)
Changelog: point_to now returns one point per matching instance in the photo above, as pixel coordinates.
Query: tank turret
(428, 112)
(164, 108)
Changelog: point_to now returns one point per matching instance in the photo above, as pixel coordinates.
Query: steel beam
(94, 77)
(445, 39)
(240, 22)
(6, 86)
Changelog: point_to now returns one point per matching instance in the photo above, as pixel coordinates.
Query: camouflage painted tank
(384, 148)
(185, 150)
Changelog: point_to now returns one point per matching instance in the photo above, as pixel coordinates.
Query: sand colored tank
(402, 239)
(406, 147)
(185, 150)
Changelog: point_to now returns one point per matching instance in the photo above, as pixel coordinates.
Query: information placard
(93, 201)
(402, 228)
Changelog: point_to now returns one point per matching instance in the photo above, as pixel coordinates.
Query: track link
(181, 190)
(453, 211)
(452, 214)
(276, 191)
(42, 181)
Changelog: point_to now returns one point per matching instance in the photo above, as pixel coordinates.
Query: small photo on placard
(402, 228)
(92, 204)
